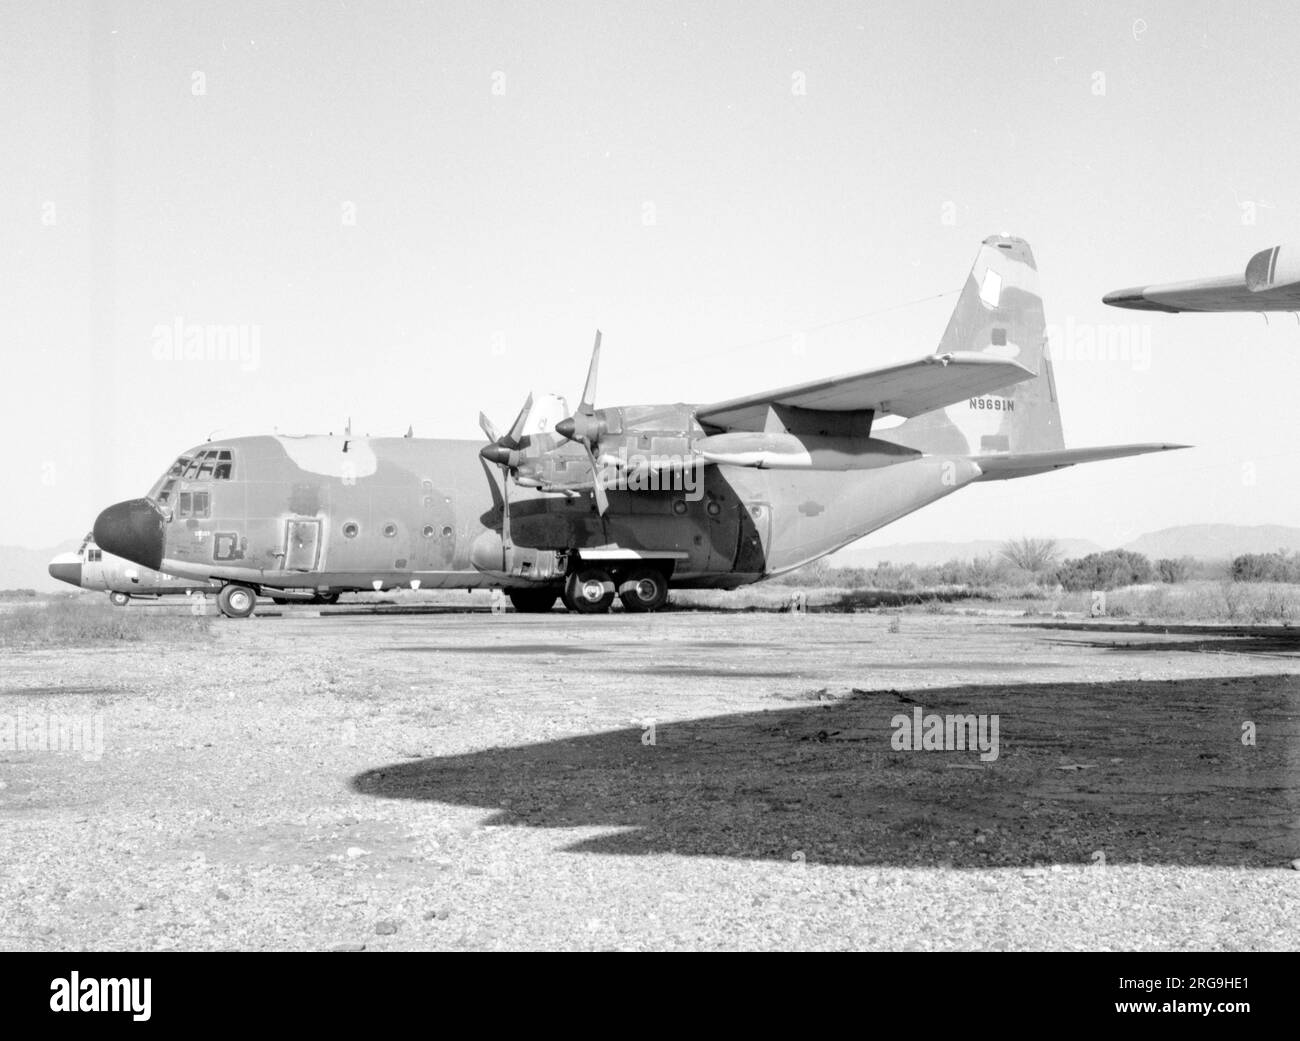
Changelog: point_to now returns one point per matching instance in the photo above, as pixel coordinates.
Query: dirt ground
(346, 780)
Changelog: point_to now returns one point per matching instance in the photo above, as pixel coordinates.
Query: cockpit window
(193, 504)
(207, 464)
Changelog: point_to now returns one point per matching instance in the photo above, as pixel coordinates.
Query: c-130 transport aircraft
(623, 501)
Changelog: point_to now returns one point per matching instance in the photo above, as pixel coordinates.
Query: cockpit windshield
(206, 464)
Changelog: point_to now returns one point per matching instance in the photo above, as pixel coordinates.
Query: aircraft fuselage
(377, 513)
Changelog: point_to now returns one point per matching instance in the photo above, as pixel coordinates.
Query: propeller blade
(487, 426)
(497, 503)
(517, 428)
(597, 486)
(588, 403)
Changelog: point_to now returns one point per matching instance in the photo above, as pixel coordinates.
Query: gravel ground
(319, 780)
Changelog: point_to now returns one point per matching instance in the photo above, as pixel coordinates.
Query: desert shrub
(1174, 571)
(1029, 554)
(82, 620)
(1110, 570)
(1265, 567)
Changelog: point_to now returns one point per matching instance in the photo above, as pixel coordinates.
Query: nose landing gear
(236, 601)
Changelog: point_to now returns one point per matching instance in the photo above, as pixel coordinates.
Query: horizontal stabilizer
(909, 389)
(1025, 464)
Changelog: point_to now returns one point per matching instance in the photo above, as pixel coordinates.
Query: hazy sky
(424, 210)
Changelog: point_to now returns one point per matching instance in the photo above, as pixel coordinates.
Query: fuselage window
(350, 530)
(183, 504)
(390, 530)
(94, 556)
(201, 504)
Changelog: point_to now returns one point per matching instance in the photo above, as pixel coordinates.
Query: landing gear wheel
(589, 590)
(118, 599)
(325, 598)
(533, 601)
(644, 589)
(236, 601)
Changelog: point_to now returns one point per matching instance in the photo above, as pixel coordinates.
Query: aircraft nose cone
(566, 428)
(66, 567)
(133, 530)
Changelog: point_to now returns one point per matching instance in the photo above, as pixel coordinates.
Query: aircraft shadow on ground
(1115, 772)
(1213, 639)
(845, 603)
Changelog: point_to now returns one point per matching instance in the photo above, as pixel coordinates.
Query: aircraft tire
(589, 590)
(645, 589)
(533, 601)
(325, 598)
(119, 599)
(236, 601)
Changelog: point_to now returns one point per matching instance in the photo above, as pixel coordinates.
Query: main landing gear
(119, 599)
(591, 590)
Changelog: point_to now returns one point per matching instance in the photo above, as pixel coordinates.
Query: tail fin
(1000, 312)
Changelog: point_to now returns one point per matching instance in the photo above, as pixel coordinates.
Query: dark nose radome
(66, 571)
(132, 530)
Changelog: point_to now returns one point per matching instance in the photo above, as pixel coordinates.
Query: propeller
(504, 452)
(585, 427)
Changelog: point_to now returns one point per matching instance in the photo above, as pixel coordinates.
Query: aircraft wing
(909, 389)
(1271, 282)
(1025, 464)
(1229, 293)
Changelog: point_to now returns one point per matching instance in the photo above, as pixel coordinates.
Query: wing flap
(909, 389)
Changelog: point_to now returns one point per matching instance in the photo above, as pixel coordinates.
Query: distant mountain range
(22, 568)
(1216, 541)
